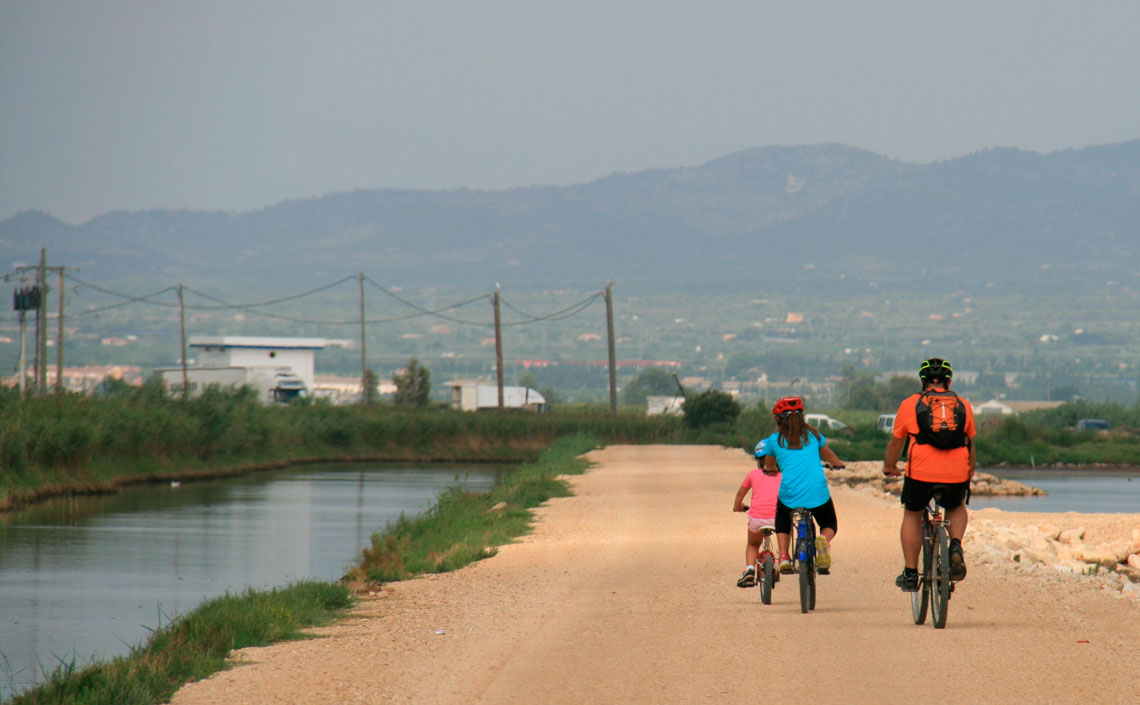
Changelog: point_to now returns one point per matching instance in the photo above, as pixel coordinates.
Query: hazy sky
(239, 105)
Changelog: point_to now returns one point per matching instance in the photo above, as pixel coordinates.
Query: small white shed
(248, 351)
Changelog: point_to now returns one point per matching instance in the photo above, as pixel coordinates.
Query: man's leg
(958, 518)
(911, 537)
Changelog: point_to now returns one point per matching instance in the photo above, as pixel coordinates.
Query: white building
(247, 351)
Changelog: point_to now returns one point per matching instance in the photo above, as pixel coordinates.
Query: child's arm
(738, 503)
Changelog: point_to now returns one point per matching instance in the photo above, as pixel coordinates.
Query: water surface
(1086, 491)
(87, 576)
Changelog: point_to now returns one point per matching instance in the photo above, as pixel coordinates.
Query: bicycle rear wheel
(767, 579)
(919, 600)
(806, 597)
(811, 564)
(940, 585)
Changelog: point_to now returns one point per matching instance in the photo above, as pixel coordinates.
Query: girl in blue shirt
(797, 450)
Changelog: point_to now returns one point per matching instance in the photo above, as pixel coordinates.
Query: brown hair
(794, 431)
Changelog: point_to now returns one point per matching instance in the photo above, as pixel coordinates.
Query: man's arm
(891, 459)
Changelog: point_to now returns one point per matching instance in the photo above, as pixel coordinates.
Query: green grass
(193, 646)
(467, 526)
(70, 443)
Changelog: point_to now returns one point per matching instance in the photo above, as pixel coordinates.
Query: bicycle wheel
(941, 583)
(805, 587)
(767, 579)
(811, 565)
(919, 600)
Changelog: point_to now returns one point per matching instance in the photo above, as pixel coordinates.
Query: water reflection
(83, 577)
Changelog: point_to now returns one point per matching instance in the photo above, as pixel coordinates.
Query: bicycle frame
(935, 584)
(804, 527)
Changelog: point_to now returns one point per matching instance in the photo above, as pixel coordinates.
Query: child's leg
(752, 550)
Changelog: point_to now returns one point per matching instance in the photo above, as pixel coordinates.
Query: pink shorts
(755, 525)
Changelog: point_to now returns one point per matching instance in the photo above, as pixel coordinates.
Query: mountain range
(769, 214)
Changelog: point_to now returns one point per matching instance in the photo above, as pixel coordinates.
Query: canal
(88, 577)
(1085, 491)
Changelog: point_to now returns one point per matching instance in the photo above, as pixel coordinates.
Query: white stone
(1072, 536)
(1096, 554)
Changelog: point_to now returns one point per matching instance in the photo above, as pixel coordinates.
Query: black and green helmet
(935, 368)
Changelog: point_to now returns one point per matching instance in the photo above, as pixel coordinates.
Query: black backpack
(941, 420)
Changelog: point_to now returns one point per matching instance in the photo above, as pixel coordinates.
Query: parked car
(886, 423)
(823, 422)
(1093, 425)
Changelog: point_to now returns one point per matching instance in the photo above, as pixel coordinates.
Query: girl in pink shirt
(765, 488)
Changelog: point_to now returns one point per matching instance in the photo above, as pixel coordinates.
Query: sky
(235, 106)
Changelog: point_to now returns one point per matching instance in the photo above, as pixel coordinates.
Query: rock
(1096, 554)
(1131, 590)
(1134, 561)
(1070, 566)
(1072, 536)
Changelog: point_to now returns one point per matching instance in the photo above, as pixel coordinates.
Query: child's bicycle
(766, 574)
(934, 582)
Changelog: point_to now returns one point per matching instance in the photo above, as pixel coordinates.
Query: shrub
(710, 407)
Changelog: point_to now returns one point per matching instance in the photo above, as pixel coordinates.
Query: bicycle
(934, 582)
(804, 556)
(766, 573)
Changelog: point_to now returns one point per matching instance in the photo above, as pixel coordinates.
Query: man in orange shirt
(940, 425)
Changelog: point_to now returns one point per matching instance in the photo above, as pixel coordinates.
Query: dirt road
(625, 593)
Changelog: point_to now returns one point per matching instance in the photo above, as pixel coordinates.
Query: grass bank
(74, 444)
(462, 528)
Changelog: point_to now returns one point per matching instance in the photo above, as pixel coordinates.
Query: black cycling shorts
(824, 515)
(916, 494)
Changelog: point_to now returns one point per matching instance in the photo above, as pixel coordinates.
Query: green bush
(710, 407)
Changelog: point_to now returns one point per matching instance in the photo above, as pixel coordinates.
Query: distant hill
(767, 214)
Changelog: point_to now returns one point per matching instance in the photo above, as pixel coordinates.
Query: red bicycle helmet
(788, 405)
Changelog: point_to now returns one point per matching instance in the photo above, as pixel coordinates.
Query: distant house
(1007, 407)
(473, 396)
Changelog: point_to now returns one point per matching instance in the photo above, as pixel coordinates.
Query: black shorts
(916, 494)
(824, 515)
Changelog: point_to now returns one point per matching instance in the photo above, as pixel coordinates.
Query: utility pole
(612, 351)
(182, 333)
(37, 298)
(59, 339)
(498, 346)
(41, 326)
(365, 390)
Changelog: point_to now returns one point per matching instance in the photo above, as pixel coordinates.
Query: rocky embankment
(1102, 550)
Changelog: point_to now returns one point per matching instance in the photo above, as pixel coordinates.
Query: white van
(886, 423)
(823, 422)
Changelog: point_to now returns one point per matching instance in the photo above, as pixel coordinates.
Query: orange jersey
(928, 463)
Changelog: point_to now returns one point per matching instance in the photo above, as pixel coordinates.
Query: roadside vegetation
(60, 444)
